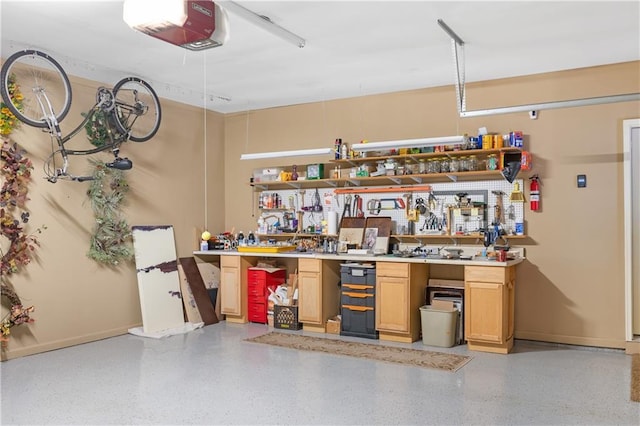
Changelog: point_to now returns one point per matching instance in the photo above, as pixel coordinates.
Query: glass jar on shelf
(472, 163)
(492, 162)
(454, 165)
(410, 168)
(422, 166)
(464, 164)
(444, 164)
(433, 165)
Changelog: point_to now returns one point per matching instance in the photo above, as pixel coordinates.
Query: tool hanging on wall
(317, 206)
(375, 205)
(346, 212)
(420, 206)
(499, 208)
(516, 195)
(302, 192)
(357, 206)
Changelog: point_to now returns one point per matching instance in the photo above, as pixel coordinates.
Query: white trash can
(438, 326)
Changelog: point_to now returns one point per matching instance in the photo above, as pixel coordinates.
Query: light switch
(582, 181)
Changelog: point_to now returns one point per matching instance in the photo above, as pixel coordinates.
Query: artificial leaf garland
(111, 239)
(16, 172)
(8, 121)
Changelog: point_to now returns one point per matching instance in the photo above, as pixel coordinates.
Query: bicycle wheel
(137, 110)
(44, 86)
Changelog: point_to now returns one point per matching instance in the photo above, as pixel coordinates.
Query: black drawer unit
(357, 275)
(358, 321)
(358, 301)
(357, 298)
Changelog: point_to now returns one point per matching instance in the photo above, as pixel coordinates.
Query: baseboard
(64, 343)
(571, 340)
(632, 347)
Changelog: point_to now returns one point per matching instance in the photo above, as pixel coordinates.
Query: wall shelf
(412, 179)
(415, 158)
(449, 237)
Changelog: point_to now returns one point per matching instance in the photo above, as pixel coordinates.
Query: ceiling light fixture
(194, 25)
(407, 143)
(294, 153)
(265, 23)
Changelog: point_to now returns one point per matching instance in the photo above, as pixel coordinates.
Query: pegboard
(439, 217)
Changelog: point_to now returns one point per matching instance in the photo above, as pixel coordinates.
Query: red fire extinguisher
(534, 193)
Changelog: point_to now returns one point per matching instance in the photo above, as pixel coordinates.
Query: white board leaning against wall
(158, 280)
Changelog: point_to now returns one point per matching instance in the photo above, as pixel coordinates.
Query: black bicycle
(129, 111)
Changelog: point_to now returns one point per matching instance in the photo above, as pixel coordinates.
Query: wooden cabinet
(400, 291)
(489, 308)
(318, 293)
(233, 287)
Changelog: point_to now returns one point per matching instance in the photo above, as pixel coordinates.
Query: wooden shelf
(450, 237)
(413, 179)
(294, 234)
(425, 155)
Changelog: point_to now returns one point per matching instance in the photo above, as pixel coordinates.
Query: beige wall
(570, 289)
(76, 299)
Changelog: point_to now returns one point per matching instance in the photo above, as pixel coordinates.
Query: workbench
(400, 288)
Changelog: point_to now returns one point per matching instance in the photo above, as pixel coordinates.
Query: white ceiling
(354, 48)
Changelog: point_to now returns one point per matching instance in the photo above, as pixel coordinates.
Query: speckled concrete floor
(210, 376)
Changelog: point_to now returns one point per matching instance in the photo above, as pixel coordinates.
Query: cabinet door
(392, 304)
(485, 319)
(309, 297)
(230, 286)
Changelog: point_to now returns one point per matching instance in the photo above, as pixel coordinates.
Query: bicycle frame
(105, 98)
(54, 130)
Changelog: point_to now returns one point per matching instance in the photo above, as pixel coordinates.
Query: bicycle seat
(120, 164)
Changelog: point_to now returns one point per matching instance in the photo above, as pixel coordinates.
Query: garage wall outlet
(533, 115)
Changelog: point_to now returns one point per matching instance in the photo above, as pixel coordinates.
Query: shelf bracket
(395, 180)
(355, 182)
(453, 178)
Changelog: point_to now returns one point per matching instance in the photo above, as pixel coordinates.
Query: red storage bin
(258, 282)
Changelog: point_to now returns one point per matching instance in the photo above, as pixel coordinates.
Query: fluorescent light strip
(407, 143)
(278, 154)
(265, 23)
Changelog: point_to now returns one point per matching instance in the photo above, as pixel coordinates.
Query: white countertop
(476, 261)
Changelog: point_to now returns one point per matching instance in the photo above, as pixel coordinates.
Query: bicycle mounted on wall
(129, 111)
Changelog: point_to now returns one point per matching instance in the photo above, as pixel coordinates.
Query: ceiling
(354, 48)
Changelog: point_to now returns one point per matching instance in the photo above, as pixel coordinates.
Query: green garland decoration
(111, 239)
(96, 128)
